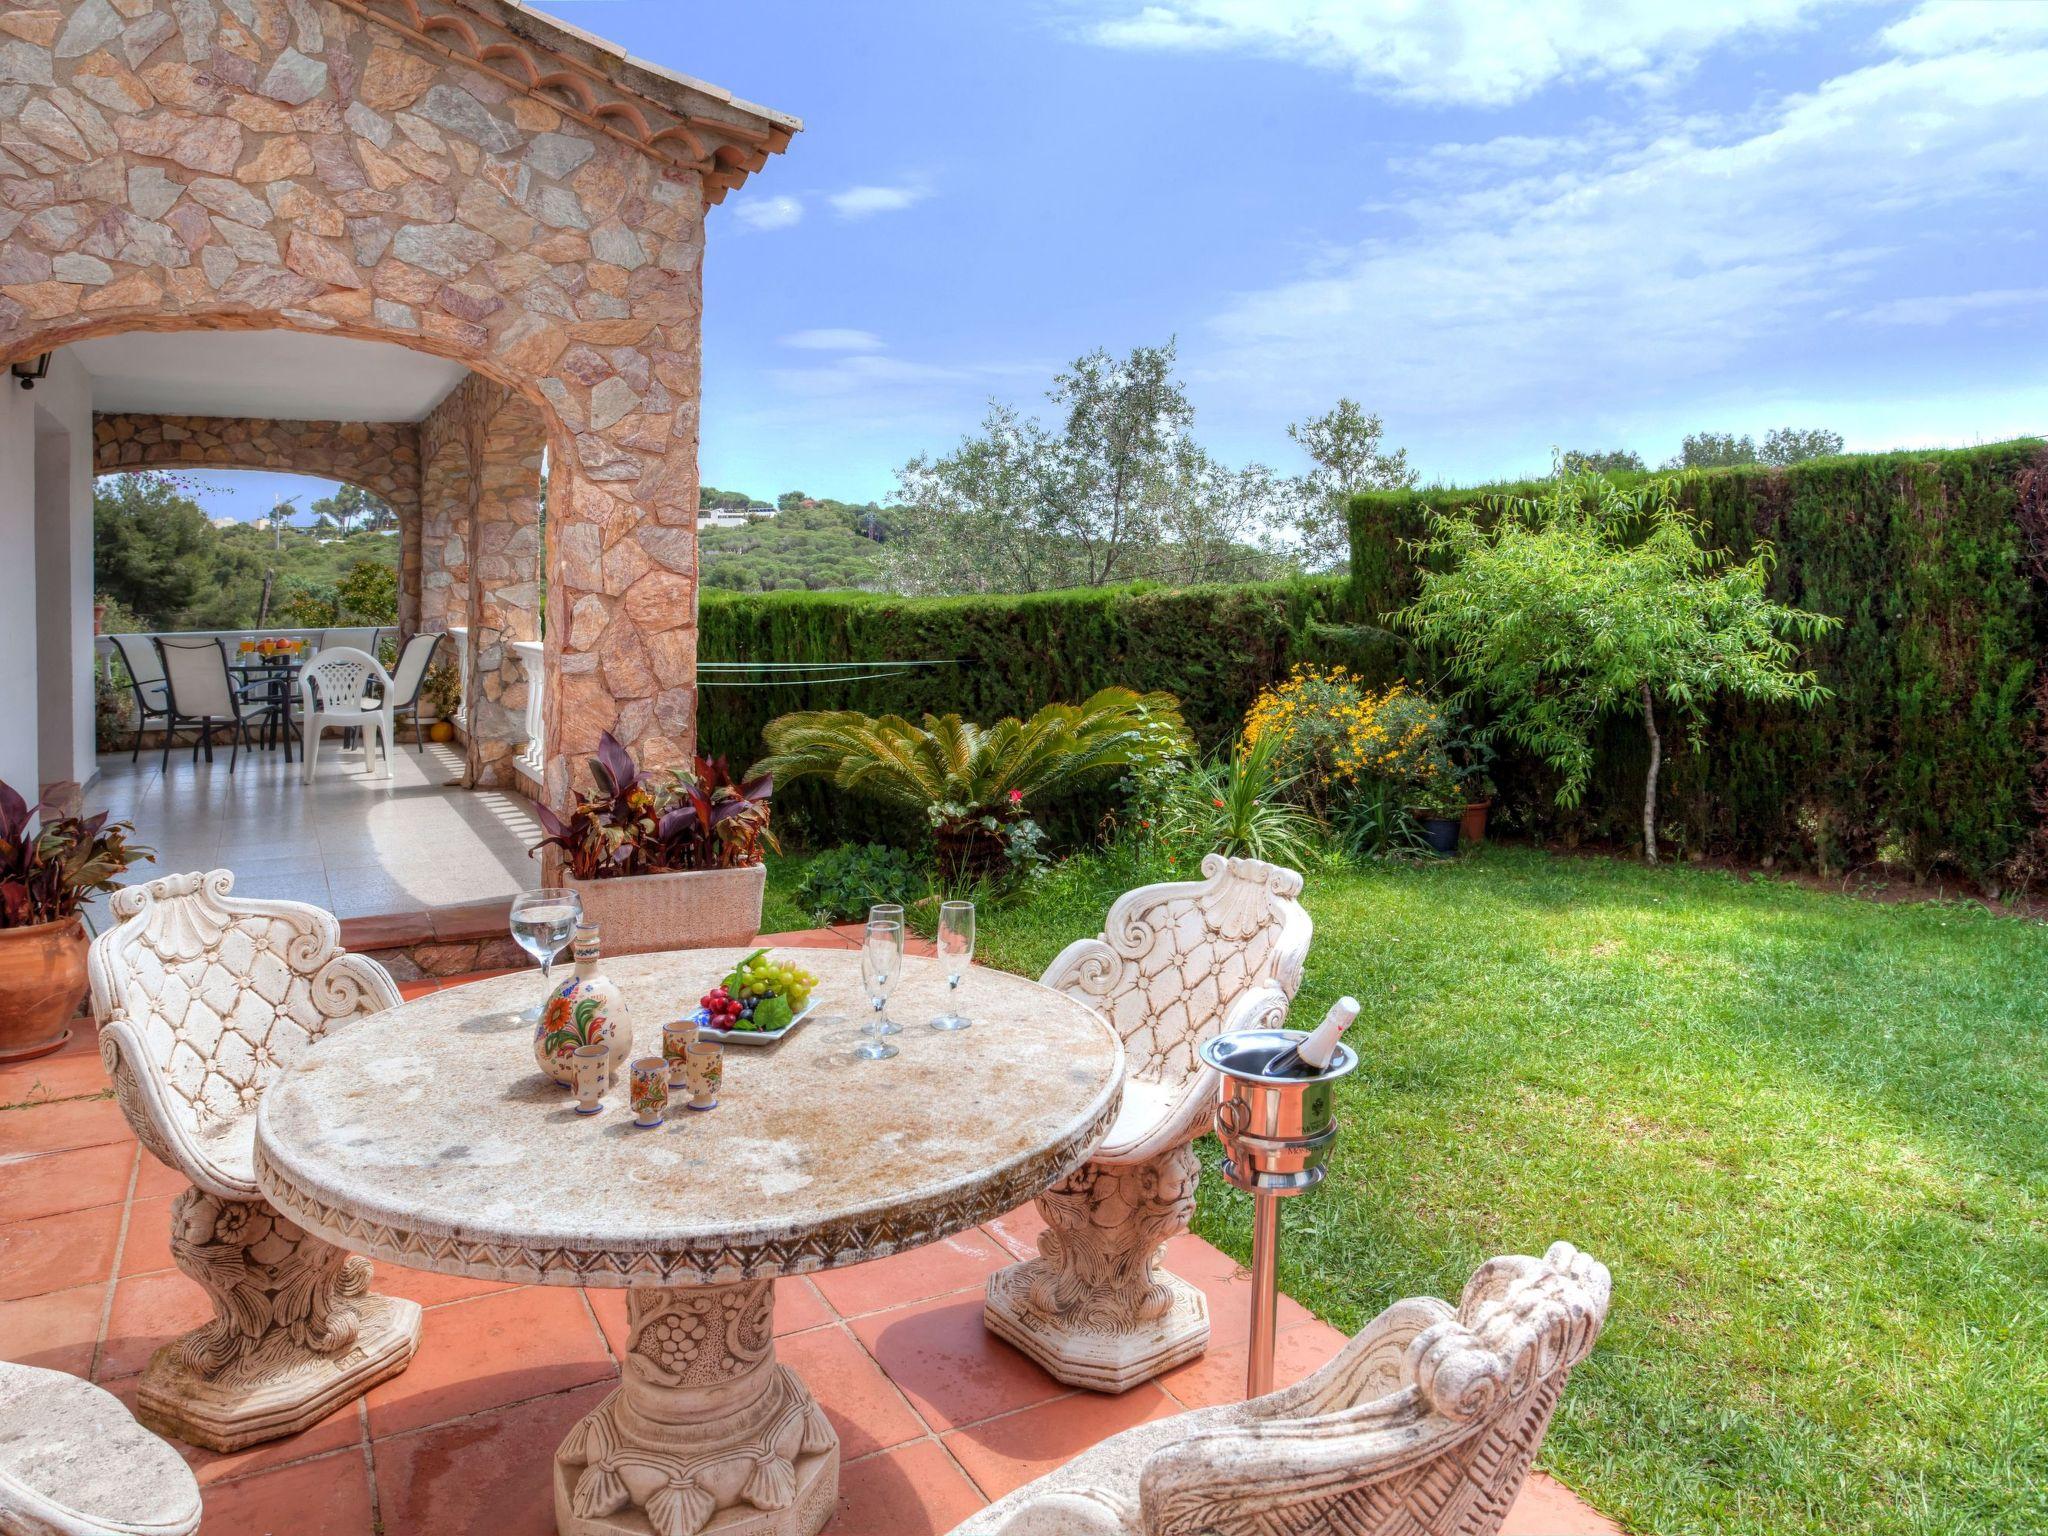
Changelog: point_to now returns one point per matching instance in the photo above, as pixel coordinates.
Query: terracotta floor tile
(327, 1497)
(1219, 1376)
(55, 1330)
(868, 1412)
(493, 1350)
(807, 938)
(1545, 1507)
(338, 1431)
(61, 1127)
(73, 1071)
(148, 1247)
(149, 1311)
(1229, 1289)
(961, 1262)
(1018, 1231)
(796, 1307)
(486, 1475)
(420, 988)
(428, 1288)
(1007, 1453)
(913, 1490)
(950, 1367)
(153, 1178)
(62, 1181)
(54, 1253)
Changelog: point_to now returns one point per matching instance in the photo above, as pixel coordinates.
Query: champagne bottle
(1313, 1056)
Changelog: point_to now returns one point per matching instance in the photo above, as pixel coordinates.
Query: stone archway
(458, 176)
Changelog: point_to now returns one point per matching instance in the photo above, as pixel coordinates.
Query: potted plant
(50, 862)
(1439, 822)
(664, 861)
(441, 691)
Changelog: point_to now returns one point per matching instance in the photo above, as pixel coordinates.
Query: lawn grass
(1808, 1133)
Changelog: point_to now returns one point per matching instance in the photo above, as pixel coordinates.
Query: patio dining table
(426, 1136)
(269, 683)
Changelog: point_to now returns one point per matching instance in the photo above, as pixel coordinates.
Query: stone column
(503, 600)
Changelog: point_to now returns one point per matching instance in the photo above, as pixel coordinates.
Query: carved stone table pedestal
(295, 1332)
(425, 1137)
(1098, 1308)
(705, 1424)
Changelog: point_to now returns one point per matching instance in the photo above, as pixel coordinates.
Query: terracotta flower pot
(690, 909)
(1472, 825)
(42, 981)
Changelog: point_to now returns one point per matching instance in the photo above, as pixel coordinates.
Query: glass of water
(881, 963)
(542, 922)
(956, 950)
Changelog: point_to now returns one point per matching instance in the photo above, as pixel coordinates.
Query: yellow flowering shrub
(1334, 731)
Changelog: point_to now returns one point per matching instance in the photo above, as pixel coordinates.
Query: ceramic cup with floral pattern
(592, 1066)
(703, 1069)
(650, 1090)
(677, 1036)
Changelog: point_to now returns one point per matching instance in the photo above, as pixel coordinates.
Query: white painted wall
(46, 700)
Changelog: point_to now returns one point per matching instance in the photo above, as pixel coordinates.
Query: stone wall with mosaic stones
(381, 457)
(323, 166)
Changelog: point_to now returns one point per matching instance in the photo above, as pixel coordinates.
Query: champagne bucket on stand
(1277, 1131)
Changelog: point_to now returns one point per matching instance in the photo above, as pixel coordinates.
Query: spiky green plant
(975, 783)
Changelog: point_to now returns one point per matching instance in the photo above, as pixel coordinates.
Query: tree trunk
(1650, 783)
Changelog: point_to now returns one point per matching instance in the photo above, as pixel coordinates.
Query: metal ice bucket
(1276, 1134)
(1276, 1131)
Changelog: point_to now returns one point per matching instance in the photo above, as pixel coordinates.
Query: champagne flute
(886, 912)
(881, 963)
(956, 948)
(542, 923)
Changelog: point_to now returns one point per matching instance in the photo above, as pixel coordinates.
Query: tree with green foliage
(156, 554)
(1612, 461)
(1120, 492)
(1559, 608)
(1714, 450)
(1346, 446)
(1795, 445)
(351, 509)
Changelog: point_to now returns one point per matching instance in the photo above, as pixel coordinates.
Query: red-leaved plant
(51, 862)
(631, 822)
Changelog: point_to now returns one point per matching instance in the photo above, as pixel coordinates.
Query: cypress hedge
(1934, 749)
(1211, 647)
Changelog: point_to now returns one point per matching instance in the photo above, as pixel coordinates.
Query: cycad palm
(958, 772)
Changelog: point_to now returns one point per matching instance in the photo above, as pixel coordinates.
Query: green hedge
(1211, 647)
(1925, 753)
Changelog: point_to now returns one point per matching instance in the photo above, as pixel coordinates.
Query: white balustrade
(532, 759)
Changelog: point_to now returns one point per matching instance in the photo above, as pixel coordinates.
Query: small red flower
(1217, 803)
(1016, 797)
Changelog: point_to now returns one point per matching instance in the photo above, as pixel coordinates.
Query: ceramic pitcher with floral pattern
(586, 1009)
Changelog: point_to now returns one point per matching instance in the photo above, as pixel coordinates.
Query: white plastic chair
(335, 689)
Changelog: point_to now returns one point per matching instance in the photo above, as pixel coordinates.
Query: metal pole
(1265, 1293)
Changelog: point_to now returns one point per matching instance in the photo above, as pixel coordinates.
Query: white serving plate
(754, 1036)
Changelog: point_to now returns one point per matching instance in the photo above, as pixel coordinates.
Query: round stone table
(427, 1136)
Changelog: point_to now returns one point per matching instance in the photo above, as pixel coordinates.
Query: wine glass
(542, 923)
(886, 912)
(881, 963)
(956, 948)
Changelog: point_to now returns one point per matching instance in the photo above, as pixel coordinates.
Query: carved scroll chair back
(1425, 1424)
(203, 997)
(1181, 961)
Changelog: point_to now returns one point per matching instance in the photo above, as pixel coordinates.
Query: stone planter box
(693, 909)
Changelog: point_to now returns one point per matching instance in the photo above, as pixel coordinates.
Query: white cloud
(834, 339)
(1942, 308)
(769, 212)
(860, 202)
(1947, 26)
(1481, 52)
(1621, 273)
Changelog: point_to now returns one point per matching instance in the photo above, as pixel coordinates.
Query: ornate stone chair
(203, 998)
(73, 1463)
(1424, 1425)
(1176, 963)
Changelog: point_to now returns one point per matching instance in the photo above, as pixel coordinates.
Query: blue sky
(1502, 224)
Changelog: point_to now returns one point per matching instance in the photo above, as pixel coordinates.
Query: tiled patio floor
(934, 1416)
(357, 846)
